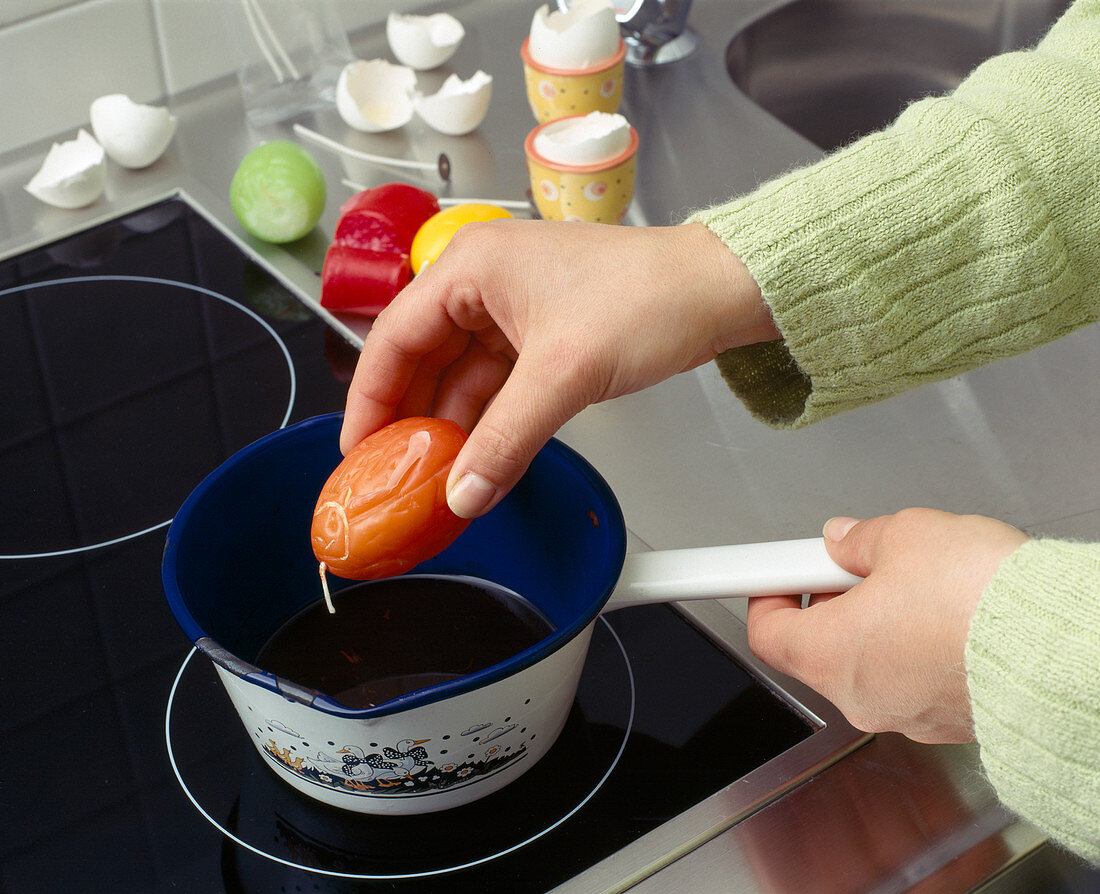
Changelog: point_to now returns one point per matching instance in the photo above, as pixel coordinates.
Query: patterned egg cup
(559, 93)
(596, 193)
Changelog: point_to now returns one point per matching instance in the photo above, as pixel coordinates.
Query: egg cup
(559, 93)
(596, 193)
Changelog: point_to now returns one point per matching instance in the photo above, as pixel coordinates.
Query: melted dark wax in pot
(393, 636)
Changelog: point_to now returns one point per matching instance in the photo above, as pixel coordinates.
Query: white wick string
(274, 38)
(514, 204)
(444, 202)
(324, 588)
(442, 166)
(250, 17)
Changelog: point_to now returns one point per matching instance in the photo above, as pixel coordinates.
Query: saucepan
(238, 564)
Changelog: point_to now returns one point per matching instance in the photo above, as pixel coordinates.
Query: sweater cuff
(916, 253)
(1033, 666)
(838, 267)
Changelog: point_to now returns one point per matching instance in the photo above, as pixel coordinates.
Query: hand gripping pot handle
(788, 567)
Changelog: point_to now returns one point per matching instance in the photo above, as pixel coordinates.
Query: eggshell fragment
(595, 138)
(459, 106)
(133, 135)
(73, 174)
(375, 95)
(424, 42)
(584, 35)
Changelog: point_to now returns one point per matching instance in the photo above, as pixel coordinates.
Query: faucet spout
(655, 31)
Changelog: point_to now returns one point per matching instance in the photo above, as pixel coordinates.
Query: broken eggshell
(424, 42)
(595, 138)
(73, 174)
(132, 134)
(581, 36)
(459, 106)
(374, 95)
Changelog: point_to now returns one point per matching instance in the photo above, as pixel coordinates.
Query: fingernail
(470, 495)
(836, 528)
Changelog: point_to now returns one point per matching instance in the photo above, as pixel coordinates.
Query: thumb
(850, 543)
(521, 418)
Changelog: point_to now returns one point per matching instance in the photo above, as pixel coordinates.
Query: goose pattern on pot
(405, 767)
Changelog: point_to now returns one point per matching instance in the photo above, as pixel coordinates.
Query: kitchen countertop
(689, 465)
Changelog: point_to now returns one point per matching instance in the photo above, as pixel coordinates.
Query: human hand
(889, 653)
(519, 325)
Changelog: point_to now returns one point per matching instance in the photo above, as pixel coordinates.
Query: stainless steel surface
(891, 817)
(833, 739)
(1016, 440)
(833, 70)
(1043, 869)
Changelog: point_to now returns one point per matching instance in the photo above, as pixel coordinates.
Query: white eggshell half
(73, 174)
(594, 139)
(584, 35)
(375, 95)
(424, 42)
(132, 134)
(459, 106)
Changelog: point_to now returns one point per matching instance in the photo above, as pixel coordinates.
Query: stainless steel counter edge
(872, 786)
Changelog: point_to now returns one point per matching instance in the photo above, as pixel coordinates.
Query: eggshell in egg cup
(596, 193)
(558, 93)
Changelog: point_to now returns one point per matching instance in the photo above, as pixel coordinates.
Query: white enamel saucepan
(238, 564)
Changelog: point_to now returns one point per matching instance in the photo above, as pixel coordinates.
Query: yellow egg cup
(558, 93)
(597, 193)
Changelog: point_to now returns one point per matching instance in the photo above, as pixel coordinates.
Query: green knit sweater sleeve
(1033, 667)
(967, 231)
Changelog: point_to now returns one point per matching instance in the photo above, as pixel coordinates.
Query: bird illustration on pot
(411, 757)
(354, 758)
(402, 761)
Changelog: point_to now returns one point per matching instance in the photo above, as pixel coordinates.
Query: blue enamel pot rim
(562, 635)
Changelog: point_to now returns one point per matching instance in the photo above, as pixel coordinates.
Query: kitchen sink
(832, 70)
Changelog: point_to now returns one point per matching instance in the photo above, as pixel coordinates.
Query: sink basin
(832, 70)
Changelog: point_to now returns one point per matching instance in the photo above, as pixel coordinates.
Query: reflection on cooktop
(157, 386)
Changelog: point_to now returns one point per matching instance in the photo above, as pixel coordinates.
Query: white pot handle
(787, 567)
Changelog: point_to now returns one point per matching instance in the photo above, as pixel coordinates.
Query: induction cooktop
(137, 356)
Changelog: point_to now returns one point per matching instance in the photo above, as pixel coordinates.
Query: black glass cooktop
(135, 358)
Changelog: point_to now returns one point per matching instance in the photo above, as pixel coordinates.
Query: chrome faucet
(655, 31)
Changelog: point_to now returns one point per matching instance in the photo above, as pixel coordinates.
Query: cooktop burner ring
(157, 281)
(230, 835)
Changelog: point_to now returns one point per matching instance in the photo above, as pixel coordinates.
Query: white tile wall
(55, 64)
(59, 55)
